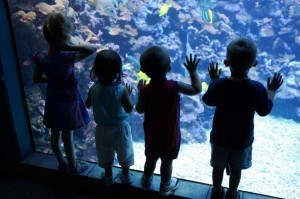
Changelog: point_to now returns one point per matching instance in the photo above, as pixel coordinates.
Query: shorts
(114, 139)
(237, 158)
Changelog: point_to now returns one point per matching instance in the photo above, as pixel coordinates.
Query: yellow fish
(143, 76)
(210, 15)
(204, 87)
(164, 9)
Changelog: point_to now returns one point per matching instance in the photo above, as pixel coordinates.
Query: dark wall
(8, 142)
(15, 136)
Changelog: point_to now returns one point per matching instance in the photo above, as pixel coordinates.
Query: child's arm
(38, 75)
(88, 101)
(214, 72)
(274, 85)
(139, 106)
(195, 87)
(126, 101)
(84, 50)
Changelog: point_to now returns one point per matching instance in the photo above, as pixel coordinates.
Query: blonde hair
(57, 29)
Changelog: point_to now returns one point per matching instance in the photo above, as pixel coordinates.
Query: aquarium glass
(201, 27)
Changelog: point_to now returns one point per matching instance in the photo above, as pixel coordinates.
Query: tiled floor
(187, 189)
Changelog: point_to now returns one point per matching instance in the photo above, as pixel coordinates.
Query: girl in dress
(64, 108)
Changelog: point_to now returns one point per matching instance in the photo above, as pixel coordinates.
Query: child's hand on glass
(141, 84)
(191, 63)
(276, 82)
(129, 88)
(214, 71)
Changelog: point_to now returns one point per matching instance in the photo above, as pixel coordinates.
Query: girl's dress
(64, 107)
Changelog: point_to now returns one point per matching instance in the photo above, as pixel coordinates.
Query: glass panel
(199, 26)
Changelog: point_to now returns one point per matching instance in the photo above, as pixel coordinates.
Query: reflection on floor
(40, 178)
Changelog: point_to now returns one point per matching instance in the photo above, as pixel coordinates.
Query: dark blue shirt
(236, 103)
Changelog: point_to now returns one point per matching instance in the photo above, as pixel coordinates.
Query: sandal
(81, 166)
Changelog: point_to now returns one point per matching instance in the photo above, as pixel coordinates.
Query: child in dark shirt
(160, 102)
(236, 99)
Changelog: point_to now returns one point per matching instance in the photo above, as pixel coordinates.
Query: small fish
(204, 87)
(134, 61)
(209, 16)
(143, 76)
(164, 9)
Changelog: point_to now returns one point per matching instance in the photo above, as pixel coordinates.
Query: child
(64, 107)
(160, 102)
(236, 98)
(111, 104)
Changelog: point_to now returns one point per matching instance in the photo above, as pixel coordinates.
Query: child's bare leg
(56, 147)
(234, 181)
(149, 167)
(108, 171)
(166, 170)
(67, 137)
(217, 178)
(125, 170)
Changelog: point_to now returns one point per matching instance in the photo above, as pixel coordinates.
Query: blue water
(202, 27)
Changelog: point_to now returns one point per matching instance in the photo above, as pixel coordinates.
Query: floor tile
(49, 162)
(192, 189)
(247, 195)
(186, 189)
(34, 158)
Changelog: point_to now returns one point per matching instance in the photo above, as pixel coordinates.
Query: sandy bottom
(275, 167)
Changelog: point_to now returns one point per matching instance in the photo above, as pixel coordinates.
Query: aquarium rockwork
(201, 27)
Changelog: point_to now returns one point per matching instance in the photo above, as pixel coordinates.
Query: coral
(142, 41)
(125, 14)
(128, 30)
(59, 6)
(26, 18)
(116, 30)
(266, 31)
(209, 28)
(44, 8)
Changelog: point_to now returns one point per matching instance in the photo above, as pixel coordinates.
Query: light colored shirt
(106, 103)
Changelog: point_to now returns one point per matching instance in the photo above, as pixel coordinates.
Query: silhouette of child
(236, 99)
(160, 102)
(111, 104)
(64, 108)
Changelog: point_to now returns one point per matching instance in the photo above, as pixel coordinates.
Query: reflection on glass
(182, 27)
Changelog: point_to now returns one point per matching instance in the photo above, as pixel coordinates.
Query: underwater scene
(201, 27)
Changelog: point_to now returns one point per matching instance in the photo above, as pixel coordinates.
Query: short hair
(155, 62)
(241, 54)
(107, 67)
(57, 28)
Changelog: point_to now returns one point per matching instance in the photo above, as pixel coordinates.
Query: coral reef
(130, 26)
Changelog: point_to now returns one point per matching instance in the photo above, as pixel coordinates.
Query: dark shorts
(154, 152)
(236, 158)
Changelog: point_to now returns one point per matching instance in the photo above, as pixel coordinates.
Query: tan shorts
(114, 140)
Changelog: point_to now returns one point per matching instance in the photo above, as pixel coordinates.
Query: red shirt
(161, 103)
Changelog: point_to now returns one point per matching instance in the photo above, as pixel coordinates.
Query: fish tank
(201, 27)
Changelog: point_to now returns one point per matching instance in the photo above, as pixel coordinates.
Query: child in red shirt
(160, 102)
